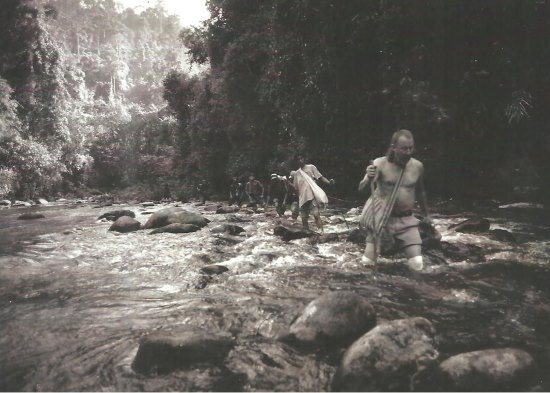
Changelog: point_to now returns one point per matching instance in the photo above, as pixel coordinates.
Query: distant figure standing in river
(399, 180)
(310, 195)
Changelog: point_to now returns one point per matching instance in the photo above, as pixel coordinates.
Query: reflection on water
(76, 299)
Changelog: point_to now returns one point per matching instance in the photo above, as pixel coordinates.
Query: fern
(520, 106)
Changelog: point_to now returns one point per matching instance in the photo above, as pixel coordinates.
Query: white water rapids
(76, 298)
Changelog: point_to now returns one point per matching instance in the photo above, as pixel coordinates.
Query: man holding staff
(399, 180)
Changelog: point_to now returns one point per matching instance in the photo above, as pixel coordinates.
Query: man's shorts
(310, 207)
(403, 229)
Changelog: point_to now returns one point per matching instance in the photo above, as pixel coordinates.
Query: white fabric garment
(308, 189)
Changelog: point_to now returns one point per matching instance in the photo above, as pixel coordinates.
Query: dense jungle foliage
(82, 97)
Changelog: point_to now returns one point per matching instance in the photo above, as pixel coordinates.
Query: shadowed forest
(98, 99)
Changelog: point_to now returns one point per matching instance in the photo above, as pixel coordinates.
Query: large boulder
(115, 214)
(125, 224)
(164, 352)
(176, 228)
(387, 357)
(174, 215)
(488, 370)
(334, 319)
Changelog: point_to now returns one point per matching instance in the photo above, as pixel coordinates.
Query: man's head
(401, 147)
(251, 177)
(300, 160)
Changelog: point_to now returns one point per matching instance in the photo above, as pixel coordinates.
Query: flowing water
(76, 299)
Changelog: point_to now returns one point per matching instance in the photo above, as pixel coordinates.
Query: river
(76, 299)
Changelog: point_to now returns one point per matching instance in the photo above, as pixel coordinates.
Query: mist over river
(76, 299)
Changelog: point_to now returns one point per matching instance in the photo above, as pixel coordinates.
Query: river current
(76, 299)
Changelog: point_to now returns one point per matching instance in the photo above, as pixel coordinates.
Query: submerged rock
(115, 214)
(228, 228)
(164, 352)
(488, 370)
(472, 225)
(213, 269)
(227, 209)
(175, 215)
(503, 235)
(336, 318)
(176, 228)
(387, 357)
(288, 233)
(125, 224)
(30, 216)
(357, 236)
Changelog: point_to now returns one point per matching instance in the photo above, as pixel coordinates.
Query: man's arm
(369, 176)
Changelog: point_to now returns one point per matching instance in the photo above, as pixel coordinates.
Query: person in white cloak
(310, 196)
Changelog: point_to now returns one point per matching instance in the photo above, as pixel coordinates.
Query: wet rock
(357, 236)
(503, 235)
(227, 209)
(211, 208)
(387, 357)
(164, 352)
(429, 234)
(325, 238)
(125, 224)
(115, 214)
(21, 204)
(227, 240)
(228, 228)
(176, 228)
(30, 216)
(472, 225)
(174, 215)
(462, 252)
(213, 269)
(148, 204)
(5, 202)
(42, 201)
(334, 319)
(235, 218)
(488, 370)
(288, 233)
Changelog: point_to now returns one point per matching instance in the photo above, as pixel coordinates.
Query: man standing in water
(386, 171)
(310, 195)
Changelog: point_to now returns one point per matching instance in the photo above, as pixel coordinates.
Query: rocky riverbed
(247, 301)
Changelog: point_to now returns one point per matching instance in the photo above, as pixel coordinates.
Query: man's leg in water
(304, 213)
(414, 257)
(369, 257)
(317, 216)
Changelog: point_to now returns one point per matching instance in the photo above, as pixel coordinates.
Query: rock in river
(115, 214)
(175, 215)
(336, 318)
(164, 352)
(387, 357)
(176, 228)
(125, 224)
(488, 370)
(30, 216)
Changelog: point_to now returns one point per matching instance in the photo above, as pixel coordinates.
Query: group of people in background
(395, 180)
(299, 190)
